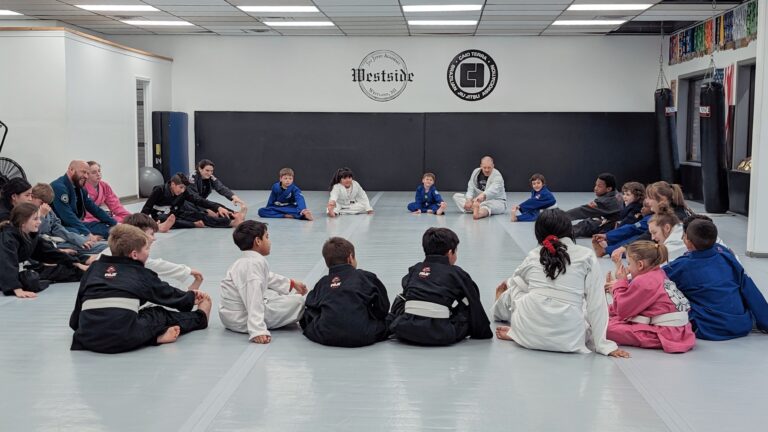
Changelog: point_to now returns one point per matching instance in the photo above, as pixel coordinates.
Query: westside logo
(382, 75)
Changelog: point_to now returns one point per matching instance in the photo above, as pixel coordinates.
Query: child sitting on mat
(347, 196)
(286, 200)
(541, 198)
(428, 199)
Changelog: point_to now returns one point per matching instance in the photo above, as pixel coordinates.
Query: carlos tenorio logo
(382, 75)
(472, 75)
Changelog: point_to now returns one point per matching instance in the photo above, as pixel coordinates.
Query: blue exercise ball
(149, 178)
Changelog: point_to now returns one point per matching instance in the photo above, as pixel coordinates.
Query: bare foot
(416, 212)
(308, 215)
(501, 333)
(243, 212)
(238, 219)
(288, 216)
(599, 249)
(170, 335)
(479, 212)
(167, 225)
(430, 211)
(199, 224)
(205, 306)
(514, 217)
(442, 208)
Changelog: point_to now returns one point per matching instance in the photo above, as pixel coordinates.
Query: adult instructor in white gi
(485, 194)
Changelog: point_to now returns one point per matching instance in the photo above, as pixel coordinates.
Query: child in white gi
(347, 196)
(254, 300)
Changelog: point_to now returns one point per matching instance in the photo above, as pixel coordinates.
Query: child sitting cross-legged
(108, 317)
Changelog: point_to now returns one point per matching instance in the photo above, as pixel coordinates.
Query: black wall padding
(570, 149)
(666, 136)
(714, 169)
(390, 151)
(384, 150)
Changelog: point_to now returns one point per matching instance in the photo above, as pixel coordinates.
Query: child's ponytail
(340, 174)
(652, 254)
(551, 227)
(554, 256)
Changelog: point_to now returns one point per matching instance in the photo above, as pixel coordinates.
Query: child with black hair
(14, 191)
(253, 299)
(440, 303)
(605, 204)
(347, 196)
(165, 205)
(544, 299)
(725, 302)
(541, 198)
(648, 311)
(633, 195)
(348, 307)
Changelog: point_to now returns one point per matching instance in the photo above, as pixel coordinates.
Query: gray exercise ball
(149, 178)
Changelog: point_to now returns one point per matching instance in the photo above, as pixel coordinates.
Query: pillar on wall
(757, 229)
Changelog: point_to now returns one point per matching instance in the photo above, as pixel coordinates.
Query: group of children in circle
(680, 282)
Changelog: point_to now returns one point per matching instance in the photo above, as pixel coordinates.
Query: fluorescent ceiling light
(442, 8)
(157, 23)
(118, 8)
(589, 22)
(277, 9)
(609, 7)
(299, 23)
(442, 22)
(8, 12)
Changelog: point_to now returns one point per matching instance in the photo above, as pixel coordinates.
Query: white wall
(101, 105)
(33, 102)
(67, 97)
(536, 74)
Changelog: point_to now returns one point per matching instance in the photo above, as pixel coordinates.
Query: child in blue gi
(286, 200)
(428, 199)
(540, 199)
(725, 302)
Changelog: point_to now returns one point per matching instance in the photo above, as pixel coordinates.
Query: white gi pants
(493, 206)
(281, 310)
(355, 208)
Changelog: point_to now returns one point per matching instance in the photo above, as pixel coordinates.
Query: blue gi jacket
(428, 198)
(291, 196)
(71, 202)
(538, 201)
(725, 302)
(626, 232)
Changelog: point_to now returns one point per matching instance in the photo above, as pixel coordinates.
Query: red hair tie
(547, 243)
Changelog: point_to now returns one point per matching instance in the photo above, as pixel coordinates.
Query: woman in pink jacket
(102, 195)
(648, 311)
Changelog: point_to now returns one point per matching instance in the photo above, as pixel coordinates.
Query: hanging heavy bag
(666, 135)
(714, 170)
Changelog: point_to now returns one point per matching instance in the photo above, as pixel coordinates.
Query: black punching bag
(714, 171)
(666, 135)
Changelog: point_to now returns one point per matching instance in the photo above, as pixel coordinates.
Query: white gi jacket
(164, 269)
(549, 315)
(243, 293)
(354, 197)
(494, 188)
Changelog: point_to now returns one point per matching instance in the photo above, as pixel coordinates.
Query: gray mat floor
(216, 380)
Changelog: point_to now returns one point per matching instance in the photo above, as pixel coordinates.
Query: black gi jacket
(437, 281)
(162, 196)
(113, 329)
(347, 308)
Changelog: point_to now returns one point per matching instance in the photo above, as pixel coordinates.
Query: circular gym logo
(382, 75)
(472, 75)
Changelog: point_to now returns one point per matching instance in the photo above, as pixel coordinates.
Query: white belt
(429, 309)
(282, 204)
(162, 209)
(672, 319)
(564, 296)
(112, 302)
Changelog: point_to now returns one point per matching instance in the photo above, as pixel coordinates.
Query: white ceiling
(351, 17)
